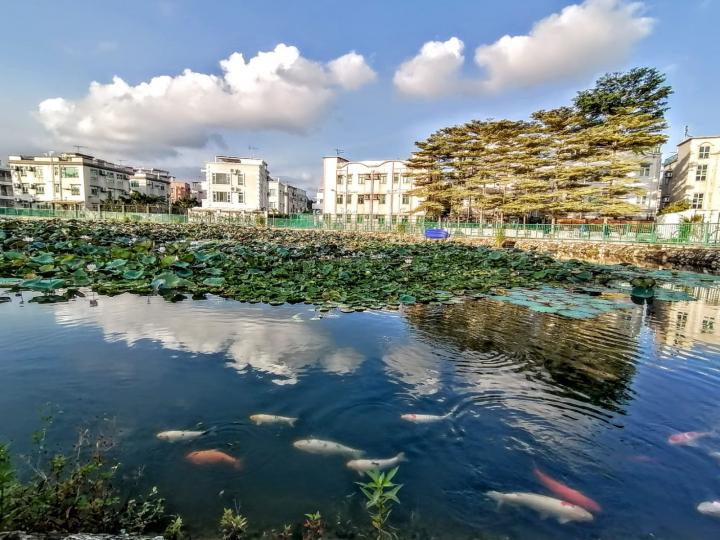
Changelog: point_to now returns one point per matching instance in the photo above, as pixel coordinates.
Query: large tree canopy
(573, 159)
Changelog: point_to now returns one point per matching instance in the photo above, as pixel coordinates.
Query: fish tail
(238, 465)
(496, 496)
(401, 456)
(292, 422)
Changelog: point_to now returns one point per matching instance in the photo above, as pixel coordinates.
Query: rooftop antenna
(78, 147)
(687, 132)
(339, 151)
(251, 148)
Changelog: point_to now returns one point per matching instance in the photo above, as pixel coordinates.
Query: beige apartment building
(237, 184)
(7, 199)
(693, 174)
(357, 191)
(69, 179)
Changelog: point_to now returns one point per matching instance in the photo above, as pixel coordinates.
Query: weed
(314, 527)
(381, 493)
(233, 525)
(175, 529)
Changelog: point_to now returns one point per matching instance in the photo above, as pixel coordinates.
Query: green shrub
(380, 493)
(233, 526)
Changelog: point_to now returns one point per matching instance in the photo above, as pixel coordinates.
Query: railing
(92, 215)
(707, 234)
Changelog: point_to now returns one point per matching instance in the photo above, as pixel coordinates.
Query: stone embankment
(17, 535)
(700, 259)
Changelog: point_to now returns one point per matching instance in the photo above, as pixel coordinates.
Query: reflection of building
(682, 324)
(179, 190)
(362, 191)
(6, 187)
(693, 174)
(235, 183)
(151, 182)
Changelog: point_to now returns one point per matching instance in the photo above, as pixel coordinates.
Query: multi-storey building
(355, 191)
(297, 200)
(6, 187)
(198, 190)
(70, 179)
(277, 196)
(647, 180)
(151, 182)
(180, 190)
(235, 183)
(693, 174)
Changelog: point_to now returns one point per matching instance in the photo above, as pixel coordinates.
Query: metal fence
(707, 234)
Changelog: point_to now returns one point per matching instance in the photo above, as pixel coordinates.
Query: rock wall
(681, 257)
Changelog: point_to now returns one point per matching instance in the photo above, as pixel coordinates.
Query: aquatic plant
(72, 493)
(381, 493)
(314, 527)
(175, 529)
(233, 525)
(333, 270)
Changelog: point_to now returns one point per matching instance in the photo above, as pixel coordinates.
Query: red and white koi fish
(566, 493)
(687, 438)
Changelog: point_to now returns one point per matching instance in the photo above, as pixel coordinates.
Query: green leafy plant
(313, 527)
(72, 492)
(233, 525)
(381, 493)
(500, 236)
(675, 206)
(175, 529)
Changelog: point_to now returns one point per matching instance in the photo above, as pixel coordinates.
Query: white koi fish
(261, 419)
(563, 511)
(424, 418)
(709, 508)
(176, 435)
(363, 465)
(318, 446)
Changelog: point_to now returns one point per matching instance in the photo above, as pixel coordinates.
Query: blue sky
(55, 49)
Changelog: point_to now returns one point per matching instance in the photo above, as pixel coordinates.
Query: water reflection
(270, 341)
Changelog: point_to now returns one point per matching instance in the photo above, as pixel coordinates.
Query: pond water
(591, 402)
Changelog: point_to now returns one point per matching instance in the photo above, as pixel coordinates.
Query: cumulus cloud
(579, 41)
(274, 90)
(434, 71)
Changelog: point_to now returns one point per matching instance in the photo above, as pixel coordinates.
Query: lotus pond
(581, 371)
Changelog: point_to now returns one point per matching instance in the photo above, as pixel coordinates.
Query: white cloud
(434, 71)
(275, 90)
(579, 41)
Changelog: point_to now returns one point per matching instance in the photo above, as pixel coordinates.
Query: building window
(241, 197)
(644, 169)
(681, 319)
(220, 178)
(406, 199)
(339, 199)
(134, 183)
(25, 188)
(273, 205)
(93, 191)
(220, 196)
(240, 178)
(701, 173)
(382, 178)
(40, 189)
(708, 325)
(70, 172)
(704, 151)
(396, 178)
(381, 199)
(361, 200)
(697, 201)
(272, 193)
(406, 179)
(362, 178)
(340, 179)
(74, 189)
(348, 218)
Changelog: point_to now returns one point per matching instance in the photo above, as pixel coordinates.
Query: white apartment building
(69, 179)
(151, 182)
(238, 184)
(367, 190)
(647, 179)
(198, 190)
(693, 174)
(7, 198)
(277, 196)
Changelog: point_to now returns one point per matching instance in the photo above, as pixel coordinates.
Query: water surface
(591, 402)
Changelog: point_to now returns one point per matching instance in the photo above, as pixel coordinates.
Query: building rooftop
(688, 139)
